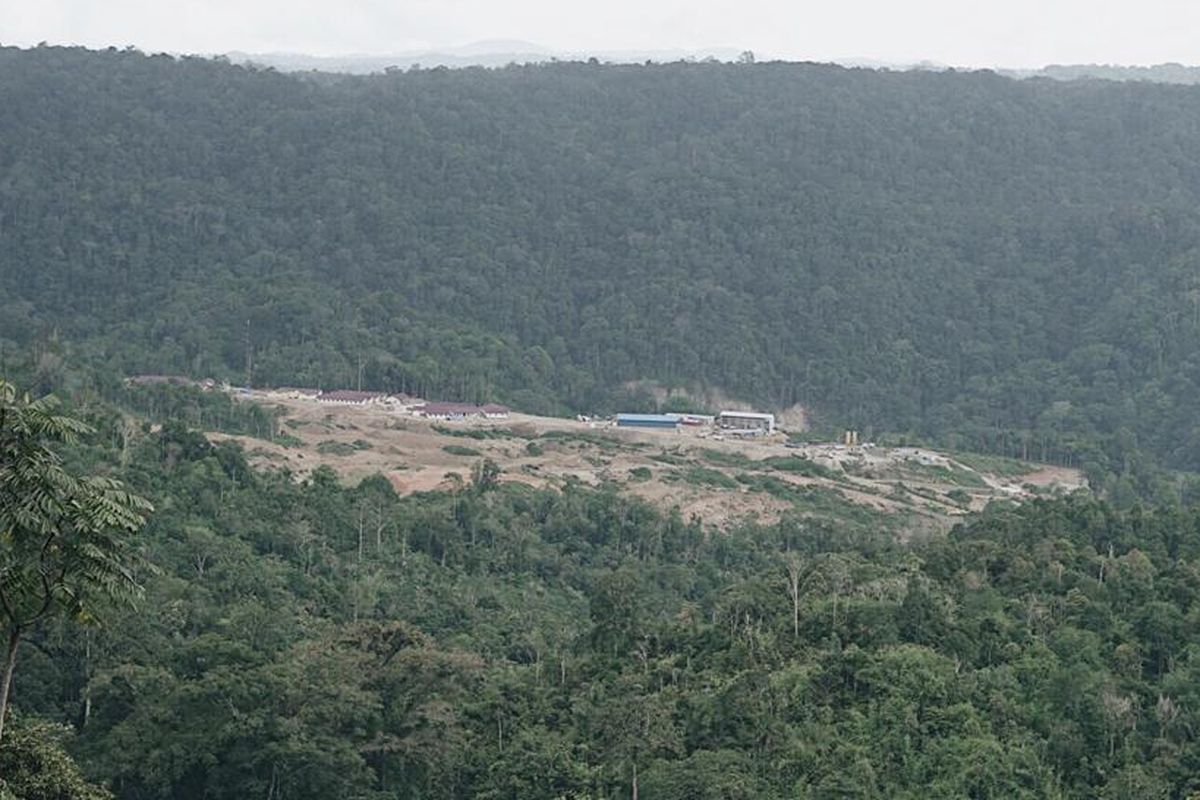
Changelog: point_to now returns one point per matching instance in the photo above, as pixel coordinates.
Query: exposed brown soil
(1051, 476)
(418, 455)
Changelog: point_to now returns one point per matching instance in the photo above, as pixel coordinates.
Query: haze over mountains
(501, 53)
(493, 53)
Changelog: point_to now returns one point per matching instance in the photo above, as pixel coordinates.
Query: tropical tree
(62, 536)
(35, 766)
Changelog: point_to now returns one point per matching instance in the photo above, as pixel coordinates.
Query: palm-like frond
(62, 537)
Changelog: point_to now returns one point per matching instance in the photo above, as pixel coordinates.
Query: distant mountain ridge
(1158, 73)
(477, 54)
(505, 52)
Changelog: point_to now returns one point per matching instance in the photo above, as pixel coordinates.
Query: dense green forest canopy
(984, 262)
(307, 639)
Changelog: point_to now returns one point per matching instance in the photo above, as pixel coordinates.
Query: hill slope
(721, 480)
(307, 639)
(1001, 265)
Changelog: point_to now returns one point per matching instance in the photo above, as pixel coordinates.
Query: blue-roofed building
(648, 421)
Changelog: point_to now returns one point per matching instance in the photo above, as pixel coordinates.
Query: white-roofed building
(746, 421)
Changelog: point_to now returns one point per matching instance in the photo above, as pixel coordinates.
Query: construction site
(713, 471)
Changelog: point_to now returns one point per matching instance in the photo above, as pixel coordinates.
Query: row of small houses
(461, 411)
(352, 397)
(345, 397)
(428, 410)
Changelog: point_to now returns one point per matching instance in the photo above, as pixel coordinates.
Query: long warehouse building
(647, 421)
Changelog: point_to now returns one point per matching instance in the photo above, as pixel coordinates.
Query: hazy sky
(959, 32)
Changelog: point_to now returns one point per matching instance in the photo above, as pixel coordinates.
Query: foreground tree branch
(62, 537)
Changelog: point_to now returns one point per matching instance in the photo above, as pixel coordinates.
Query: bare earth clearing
(718, 479)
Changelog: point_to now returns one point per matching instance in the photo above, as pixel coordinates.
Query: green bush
(959, 496)
(798, 465)
(726, 459)
(703, 476)
(331, 448)
(474, 433)
(599, 440)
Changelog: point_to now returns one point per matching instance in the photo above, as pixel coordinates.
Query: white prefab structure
(351, 397)
(746, 420)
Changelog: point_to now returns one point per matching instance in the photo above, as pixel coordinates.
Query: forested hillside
(311, 640)
(988, 263)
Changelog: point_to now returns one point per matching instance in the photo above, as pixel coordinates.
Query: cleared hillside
(719, 480)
